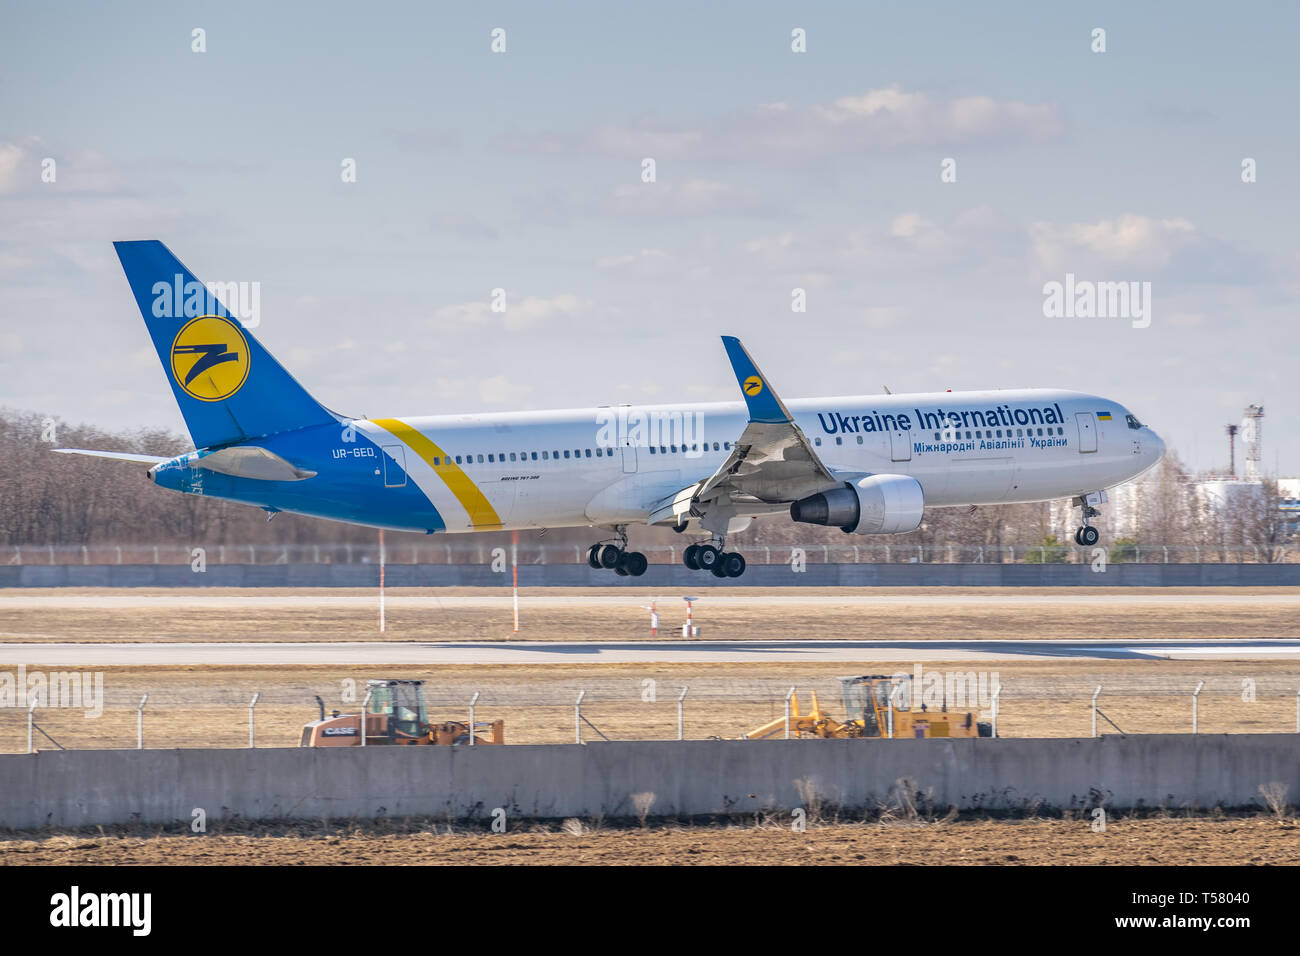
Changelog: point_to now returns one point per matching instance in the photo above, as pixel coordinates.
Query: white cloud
(519, 314)
(1129, 240)
(885, 118)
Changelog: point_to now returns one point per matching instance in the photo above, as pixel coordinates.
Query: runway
(414, 653)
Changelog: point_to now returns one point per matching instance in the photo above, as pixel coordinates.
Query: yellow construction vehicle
(868, 713)
(395, 714)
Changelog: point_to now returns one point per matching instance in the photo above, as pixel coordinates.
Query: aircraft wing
(771, 464)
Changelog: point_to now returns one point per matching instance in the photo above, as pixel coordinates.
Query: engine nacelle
(877, 504)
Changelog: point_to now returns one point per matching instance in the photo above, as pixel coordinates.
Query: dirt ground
(424, 614)
(208, 706)
(1168, 841)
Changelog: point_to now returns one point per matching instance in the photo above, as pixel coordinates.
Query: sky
(774, 170)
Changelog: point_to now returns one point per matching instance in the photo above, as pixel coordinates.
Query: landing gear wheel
(634, 563)
(690, 557)
(718, 570)
(733, 564)
(609, 556)
(1088, 536)
(593, 557)
(707, 557)
(621, 569)
(1078, 539)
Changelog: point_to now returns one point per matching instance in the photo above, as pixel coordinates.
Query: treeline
(54, 499)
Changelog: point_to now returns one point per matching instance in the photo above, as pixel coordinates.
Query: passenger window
(544, 456)
(588, 452)
(674, 448)
(534, 454)
(859, 439)
(435, 461)
(566, 453)
(458, 459)
(817, 442)
(512, 456)
(491, 459)
(480, 459)
(555, 455)
(715, 446)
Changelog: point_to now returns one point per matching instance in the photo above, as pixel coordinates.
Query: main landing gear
(708, 557)
(616, 558)
(1086, 536)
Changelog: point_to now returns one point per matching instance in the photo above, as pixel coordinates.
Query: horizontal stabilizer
(119, 455)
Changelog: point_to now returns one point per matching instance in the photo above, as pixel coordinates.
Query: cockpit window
(1132, 422)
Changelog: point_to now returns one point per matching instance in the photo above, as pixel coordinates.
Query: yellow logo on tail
(210, 358)
(753, 385)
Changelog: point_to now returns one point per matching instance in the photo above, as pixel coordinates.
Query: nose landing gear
(1086, 536)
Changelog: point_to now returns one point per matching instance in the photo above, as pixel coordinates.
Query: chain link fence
(469, 553)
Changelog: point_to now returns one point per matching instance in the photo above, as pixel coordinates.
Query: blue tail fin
(228, 387)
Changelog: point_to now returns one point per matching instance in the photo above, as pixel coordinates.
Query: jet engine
(877, 504)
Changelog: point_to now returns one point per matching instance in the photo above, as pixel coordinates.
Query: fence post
(577, 717)
(996, 694)
(251, 705)
(472, 701)
(31, 720)
(680, 709)
(1094, 709)
(1297, 712)
(139, 723)
(788, 695)
(1196, 694)
(365, 704)
(889, 717)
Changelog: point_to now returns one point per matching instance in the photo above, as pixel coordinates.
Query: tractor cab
(401, 703)
(866, 701)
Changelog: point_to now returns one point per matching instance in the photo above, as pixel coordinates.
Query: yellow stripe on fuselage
(480, 510)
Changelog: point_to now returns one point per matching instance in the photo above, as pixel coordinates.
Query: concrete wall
(77, 788)
(659, 575)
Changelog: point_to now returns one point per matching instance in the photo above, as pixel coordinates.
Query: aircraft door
(394, 466)
(900, 444)
(626, 443)
(1087, 431)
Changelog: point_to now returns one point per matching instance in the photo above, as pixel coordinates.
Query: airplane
(866, 464)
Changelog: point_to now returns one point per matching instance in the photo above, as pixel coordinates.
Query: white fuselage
(612, 465)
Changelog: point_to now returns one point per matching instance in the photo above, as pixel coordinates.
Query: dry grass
(1167, 841)
(784, 613)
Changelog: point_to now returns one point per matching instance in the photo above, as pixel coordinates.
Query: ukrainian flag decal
(1103, 416)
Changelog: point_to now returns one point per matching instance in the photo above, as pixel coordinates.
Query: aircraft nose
(1154, 445)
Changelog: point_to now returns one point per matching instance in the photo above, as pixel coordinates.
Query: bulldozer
(395, 714)
(871, 711)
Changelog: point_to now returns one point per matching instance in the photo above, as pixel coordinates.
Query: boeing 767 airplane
(866, 464)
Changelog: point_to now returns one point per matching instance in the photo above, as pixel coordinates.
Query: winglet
(765, 405)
